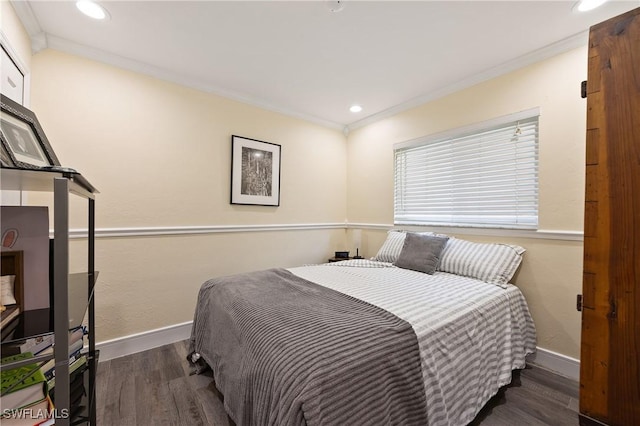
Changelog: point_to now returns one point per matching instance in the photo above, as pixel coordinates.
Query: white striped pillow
(491, 263)
(391, 247)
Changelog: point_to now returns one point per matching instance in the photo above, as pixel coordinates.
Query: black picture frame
(24, 143)
(5, 158)
(255, 172)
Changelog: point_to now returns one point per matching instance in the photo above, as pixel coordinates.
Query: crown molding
(27, 17)
(569, 43)
(31, 25)
(99, 55)
(41, 40)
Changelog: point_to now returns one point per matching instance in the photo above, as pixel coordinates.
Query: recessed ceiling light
(92, 10)
(355, 108)
(586, 5)
(335, 5)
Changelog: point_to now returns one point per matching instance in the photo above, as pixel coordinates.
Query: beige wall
(16, 35)
(159, 154)
(550, 276)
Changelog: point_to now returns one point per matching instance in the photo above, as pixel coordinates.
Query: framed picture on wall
(24, 143)
(255, 172)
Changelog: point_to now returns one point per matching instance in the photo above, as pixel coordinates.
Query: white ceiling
(299, 58)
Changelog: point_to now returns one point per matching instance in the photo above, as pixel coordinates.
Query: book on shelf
(74, 366)
(39, 413)
(76, 334)
(22, 386)
(39, 345)
(48, 368)
(49, 422)
(74, 353)
(77, 391)
(34, 345)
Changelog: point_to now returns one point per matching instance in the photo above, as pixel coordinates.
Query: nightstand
(338, 259)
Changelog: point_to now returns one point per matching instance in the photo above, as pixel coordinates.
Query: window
(484, 175)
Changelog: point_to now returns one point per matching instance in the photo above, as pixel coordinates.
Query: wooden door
(610, 348)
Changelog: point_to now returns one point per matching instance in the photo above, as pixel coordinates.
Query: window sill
(464, 230)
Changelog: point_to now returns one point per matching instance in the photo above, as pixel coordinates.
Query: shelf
(31, 323)
(18, 364)
(72, 293)
(42, 181)
(82, 408)
(39, 322)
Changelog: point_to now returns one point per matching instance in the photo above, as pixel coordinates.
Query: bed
(367, 341)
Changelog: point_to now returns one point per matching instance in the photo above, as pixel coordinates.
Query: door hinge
(583, 89)
(579, 302)
(613, 309)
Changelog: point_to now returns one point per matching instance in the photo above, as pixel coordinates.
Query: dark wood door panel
(610, 352)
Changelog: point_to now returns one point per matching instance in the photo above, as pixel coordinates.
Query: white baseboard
(116, 348)
(558, 363)
(139, 342)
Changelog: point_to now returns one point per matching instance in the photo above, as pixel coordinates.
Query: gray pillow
(421, 253)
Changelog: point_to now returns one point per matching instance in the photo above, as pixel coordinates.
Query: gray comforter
(286, 351)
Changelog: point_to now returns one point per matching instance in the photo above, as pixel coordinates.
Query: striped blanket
(286, 351)
(469, 335)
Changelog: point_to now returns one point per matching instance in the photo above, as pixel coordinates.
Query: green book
(23, 385)
(73, 366)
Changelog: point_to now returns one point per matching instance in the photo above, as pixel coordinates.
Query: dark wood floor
(154, 388)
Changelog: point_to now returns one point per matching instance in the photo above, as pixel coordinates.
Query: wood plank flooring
(154, 388)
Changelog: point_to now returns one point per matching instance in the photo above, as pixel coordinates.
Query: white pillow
(491, 263)
(6, 294)
(391, 247)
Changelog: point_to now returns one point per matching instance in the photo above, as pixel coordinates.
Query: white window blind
(486, 178)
